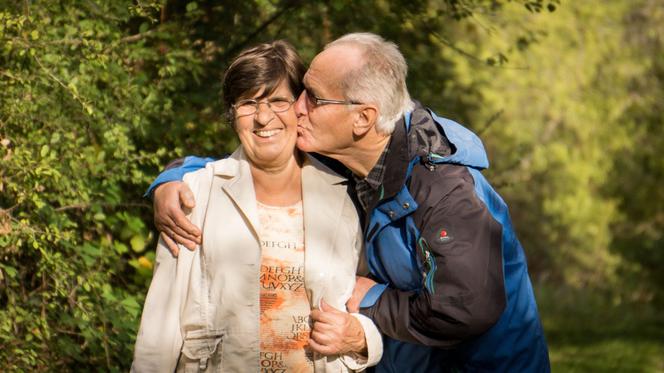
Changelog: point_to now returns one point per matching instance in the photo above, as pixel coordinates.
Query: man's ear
(365, 120)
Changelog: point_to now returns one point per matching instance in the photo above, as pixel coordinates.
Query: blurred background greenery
(96, 96)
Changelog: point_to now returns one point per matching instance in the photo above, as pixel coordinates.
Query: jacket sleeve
(159, 339)
(176, 170)
(463, 293)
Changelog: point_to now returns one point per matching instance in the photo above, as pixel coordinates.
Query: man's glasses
(250, 106)
(315, 101)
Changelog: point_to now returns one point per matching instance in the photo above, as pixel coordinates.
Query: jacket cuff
(374, 340)
(191, 163)
(372, 295)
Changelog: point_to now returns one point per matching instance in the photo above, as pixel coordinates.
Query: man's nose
(301, 104)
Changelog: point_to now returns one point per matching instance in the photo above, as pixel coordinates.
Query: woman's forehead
(279, 89)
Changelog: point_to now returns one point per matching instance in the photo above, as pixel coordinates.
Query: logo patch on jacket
(444, 236)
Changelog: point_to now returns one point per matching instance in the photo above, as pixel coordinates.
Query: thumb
(327, 308)
(187, 197)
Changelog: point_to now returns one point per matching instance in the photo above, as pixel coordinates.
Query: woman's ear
(365, 120)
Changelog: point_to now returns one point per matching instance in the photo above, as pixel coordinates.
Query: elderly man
(448, 286)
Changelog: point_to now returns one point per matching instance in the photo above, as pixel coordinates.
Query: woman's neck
(281, 185)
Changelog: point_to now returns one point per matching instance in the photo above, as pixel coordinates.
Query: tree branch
(288, 6)
(490, 121)
(136, 37)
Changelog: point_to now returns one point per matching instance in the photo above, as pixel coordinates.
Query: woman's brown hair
(264, 65)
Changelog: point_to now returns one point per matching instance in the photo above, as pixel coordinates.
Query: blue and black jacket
(454, 292)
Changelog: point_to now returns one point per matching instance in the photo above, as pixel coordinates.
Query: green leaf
(11, 271)
(120, 248)
(44, 151)
(55, 138)
(137, 243)
(192, 6)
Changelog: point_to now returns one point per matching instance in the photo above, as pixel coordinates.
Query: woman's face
(268, 137)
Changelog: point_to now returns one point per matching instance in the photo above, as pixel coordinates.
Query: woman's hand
(170, 199)
(335, 332)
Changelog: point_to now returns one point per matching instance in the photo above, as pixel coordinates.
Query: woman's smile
(267, 133)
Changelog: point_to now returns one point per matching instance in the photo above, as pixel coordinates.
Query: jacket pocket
(201, 352)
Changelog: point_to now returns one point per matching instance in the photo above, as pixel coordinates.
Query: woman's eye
(280, 103)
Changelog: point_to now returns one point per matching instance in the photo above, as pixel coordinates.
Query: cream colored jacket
(205, 303)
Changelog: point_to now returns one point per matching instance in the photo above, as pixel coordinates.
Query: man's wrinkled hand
(335, 332)
(172, 201)
(362, 286)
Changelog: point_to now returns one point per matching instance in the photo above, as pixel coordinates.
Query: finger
(323, 339)
(189, 244)
(158, 217)
(323, 317)
(321, 327)
(323, 350)
(315, 314)
(187, 197)
(181, 221)
(326, 307)
(170, 244)
(175, 228)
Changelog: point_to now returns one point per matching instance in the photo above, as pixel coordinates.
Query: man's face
(326, 129)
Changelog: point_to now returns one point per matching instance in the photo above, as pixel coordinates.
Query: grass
(589, 332)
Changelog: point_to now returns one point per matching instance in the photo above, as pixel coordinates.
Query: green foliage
(95, 96)
(572, 126)
(85, 99)
(639, 230)
(591, 331)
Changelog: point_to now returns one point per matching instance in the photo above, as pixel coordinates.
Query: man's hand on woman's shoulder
(170, 202)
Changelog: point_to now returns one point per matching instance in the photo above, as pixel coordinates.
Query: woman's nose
(264, 114)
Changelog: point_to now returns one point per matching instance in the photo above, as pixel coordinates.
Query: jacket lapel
(323, 194)
(240, 187)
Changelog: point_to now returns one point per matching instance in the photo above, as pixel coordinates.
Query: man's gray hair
(380, 81)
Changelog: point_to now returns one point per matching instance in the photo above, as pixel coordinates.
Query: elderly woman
(281, 242)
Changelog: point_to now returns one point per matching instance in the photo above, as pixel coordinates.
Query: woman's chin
(269, 160)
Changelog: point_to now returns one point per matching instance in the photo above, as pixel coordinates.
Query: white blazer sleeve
(159, 340)
(160, 335)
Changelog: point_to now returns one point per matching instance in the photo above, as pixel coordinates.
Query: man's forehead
(330, 65)
(317, 79)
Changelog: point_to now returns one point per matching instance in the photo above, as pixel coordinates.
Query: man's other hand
(362, 286)
(171, 202)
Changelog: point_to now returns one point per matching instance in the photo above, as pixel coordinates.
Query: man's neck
(365, 153)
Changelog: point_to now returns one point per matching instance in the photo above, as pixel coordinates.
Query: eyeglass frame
(326, 101)
(257, 103)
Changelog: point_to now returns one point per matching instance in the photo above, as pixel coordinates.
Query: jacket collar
(324, 197)
(421, 138)
(239, 185)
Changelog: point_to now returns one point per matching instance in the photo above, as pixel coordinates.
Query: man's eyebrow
(308, 88)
